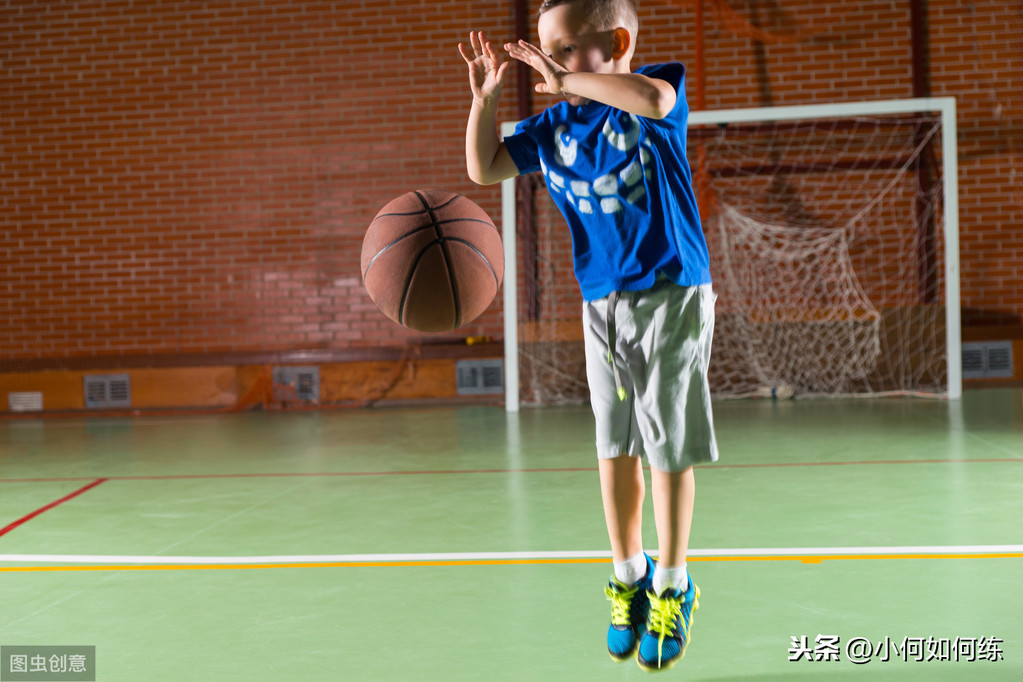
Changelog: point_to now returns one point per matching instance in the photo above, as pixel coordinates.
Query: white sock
(631, 570)
(676, 576)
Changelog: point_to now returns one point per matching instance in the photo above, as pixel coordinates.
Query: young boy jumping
(613, 155)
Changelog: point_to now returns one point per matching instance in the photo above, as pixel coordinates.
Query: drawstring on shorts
(612, 341)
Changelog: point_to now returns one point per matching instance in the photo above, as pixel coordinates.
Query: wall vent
(25, 401)
(107, 390)
(297, 384)
(479, 377)
(988, 360)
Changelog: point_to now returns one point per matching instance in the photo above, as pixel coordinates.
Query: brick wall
(195, 177)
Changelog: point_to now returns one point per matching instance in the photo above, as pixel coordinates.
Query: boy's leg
(623, 488)
(674, 597)
(673, 496)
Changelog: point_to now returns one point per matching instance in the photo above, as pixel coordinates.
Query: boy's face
(568, 38)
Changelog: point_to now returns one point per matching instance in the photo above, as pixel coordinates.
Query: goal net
(832, 231)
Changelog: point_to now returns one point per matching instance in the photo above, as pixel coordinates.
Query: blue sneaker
(629, 609)
(667, 632)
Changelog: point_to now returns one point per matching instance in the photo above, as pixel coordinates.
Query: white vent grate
(25, 401)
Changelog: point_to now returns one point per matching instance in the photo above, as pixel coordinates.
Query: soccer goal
(833, 234)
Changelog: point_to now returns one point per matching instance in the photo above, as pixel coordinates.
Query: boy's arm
(631, 92)
(486, 159)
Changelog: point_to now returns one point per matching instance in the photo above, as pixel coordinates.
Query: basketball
(432, 260)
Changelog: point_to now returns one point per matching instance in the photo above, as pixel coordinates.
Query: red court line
(538, 470)
(767, 465)
(8, 528)
(300, 474)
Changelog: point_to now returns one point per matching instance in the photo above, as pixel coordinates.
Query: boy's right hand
(486, 71)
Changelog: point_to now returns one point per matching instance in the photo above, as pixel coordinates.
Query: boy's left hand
(552, 72)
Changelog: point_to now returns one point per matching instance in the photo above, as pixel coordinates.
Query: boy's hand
(552, 72)
(486, 72)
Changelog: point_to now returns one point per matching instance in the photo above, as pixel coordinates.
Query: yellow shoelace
(621, 601)
(663, 613)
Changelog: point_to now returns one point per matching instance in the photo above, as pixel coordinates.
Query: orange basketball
(432, 260)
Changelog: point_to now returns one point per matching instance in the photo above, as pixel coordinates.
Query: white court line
(496, 556)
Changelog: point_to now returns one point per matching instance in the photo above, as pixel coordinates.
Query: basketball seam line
(482, 256)
(412, 271)
(420, 212)
(416, 231)
(447, 257)
(442, 222)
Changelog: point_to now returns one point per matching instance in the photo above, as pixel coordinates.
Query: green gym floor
(465, 543)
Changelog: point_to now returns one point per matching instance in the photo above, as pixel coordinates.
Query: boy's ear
(621, 42)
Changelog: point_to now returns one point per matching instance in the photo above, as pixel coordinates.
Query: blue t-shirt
(625, 187)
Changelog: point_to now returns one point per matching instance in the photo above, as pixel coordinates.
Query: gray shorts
(661, 338)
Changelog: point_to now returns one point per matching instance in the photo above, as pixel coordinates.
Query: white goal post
(941, 108)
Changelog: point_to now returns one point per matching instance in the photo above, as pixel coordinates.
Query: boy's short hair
(605, 14)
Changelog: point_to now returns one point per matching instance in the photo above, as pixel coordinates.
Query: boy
(613, 157)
